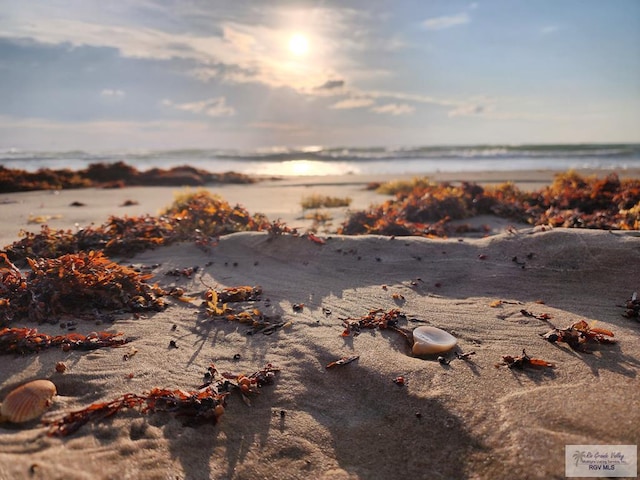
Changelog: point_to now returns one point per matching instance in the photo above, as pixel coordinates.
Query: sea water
(282, 161)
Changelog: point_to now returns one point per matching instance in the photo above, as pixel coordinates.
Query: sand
(467, 419)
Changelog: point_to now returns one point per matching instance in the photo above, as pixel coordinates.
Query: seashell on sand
(28, 401)
(428, 340)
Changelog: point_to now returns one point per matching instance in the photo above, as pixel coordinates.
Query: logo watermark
(601, 460)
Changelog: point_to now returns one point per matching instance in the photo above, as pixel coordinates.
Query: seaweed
(73, 284)
(425, 208)
(376, 318)
(204, 405)
(28, 340)
(580, 336)
(198, 216)
(110, 175)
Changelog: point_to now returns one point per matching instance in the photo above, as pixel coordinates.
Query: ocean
(339, 161)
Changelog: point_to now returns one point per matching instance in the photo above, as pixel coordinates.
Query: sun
(298, 44)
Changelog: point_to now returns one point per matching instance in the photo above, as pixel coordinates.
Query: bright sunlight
(298, 45)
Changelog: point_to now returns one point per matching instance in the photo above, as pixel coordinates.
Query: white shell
(429, 340)
(28, 401)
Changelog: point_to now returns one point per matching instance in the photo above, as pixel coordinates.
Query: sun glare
(298, 45)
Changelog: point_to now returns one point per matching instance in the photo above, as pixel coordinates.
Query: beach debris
(278, 228)
(77, 204)
(464, 356)
(247, 384)
(28, 401)
(260, 322)
(632, 307)
(130, 354)
(61, 367)
(129, 203)
(182, 272)
(315, 239)
(428, 340)
(111, 175)
(523, 361)
(580, 335)
(298, 307)
(73, 284)
(425, 208)
(376, 318)
(267, 328)
(204, 405)
(199, 216)
(216, 302)
(28, 340)
(343, 361)
(400, 381)
(243, 293)
(542, 316)
(458, 355)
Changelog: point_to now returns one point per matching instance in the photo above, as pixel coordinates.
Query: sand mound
(466, 419)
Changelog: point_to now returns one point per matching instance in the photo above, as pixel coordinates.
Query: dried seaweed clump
(118, 236)
(589, 202)
(376, 318)
(15, 180)
(28, 340)
(204, 405)
(204, 214)
(199, 216)
(73, 284)
(425, 208)
(118, 174)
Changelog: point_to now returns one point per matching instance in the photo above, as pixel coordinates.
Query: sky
(190, 74)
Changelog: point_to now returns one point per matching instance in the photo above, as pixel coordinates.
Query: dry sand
(465, 420)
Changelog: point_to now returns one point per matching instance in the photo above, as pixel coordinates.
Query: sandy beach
(466, 419)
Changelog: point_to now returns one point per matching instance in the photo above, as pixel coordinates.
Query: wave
(341, 153)
(346, 159)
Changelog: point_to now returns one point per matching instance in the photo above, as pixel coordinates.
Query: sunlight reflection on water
(305, 168)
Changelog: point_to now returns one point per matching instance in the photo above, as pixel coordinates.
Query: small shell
(430, 340)
(28, 401)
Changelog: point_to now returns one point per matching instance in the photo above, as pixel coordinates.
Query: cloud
(213, 107)
(440, 23)
(549, 29)
(349, 103)
(108, 92)
(331, 85)
(394, 109)
(280, 127)
(467, 110)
